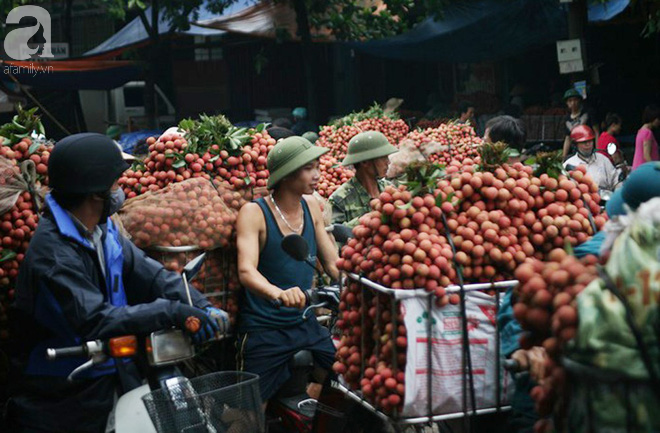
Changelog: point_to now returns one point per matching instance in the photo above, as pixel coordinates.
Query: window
(207, 48)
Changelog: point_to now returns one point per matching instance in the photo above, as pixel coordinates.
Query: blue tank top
(280, 270)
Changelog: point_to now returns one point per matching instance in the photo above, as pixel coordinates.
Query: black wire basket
(221, 402)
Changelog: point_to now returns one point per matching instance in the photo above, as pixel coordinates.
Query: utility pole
(302, 20)
(577, 25)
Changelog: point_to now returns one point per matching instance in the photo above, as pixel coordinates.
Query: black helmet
(87, 163)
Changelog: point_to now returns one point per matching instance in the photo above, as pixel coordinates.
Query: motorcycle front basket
(221, 402)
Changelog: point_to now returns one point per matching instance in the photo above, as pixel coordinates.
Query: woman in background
(646, 146)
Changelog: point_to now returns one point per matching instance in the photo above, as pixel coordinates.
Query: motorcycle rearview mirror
(296, 246)
(192, 267)
(605, 195)
(341, 233)
(611, 148)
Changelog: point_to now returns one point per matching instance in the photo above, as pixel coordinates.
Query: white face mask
(586, 155)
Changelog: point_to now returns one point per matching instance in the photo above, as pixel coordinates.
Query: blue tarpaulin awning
(606, 11)
(134, 33)
(482, 30)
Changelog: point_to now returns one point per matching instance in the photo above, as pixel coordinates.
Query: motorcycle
(170, 402)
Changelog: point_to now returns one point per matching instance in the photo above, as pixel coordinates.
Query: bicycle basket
(227, 401)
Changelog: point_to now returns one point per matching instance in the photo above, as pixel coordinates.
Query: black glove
(208, 325)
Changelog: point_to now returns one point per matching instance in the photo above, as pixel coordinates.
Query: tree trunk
(68, 28)
(150, 73)
(302, 21)
(74, 95)
(577, 24)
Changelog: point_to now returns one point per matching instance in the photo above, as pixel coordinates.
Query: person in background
(300, 122)
(466, 113)
(509, 130)
(506, 129)
(278, 133)
(646, 146)
(611, 128)
(282, 122)
(577, 115)
(311, 136)
(601, 169)
(368, 152)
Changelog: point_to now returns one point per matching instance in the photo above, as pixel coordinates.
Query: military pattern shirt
(351, 201)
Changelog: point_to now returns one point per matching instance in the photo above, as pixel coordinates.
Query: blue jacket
(592, 246)
(63, 299)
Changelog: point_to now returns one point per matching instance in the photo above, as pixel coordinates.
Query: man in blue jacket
(81, 280)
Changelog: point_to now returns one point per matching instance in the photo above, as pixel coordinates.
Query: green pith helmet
(289, 155)
(572, 93)
(366, 146)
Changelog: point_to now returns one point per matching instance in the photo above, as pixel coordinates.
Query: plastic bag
(409, 152)
(447, 352)
(188, 213)
(14, 181)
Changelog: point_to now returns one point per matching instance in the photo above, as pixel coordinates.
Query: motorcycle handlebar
(277, 303)
(315, 295)
(66, 352)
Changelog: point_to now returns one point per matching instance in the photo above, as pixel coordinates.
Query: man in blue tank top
(270, 336)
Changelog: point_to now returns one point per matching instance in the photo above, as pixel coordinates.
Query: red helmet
(582, 133)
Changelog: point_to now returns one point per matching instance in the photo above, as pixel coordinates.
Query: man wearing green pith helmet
(369, 153)
(269, 336)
